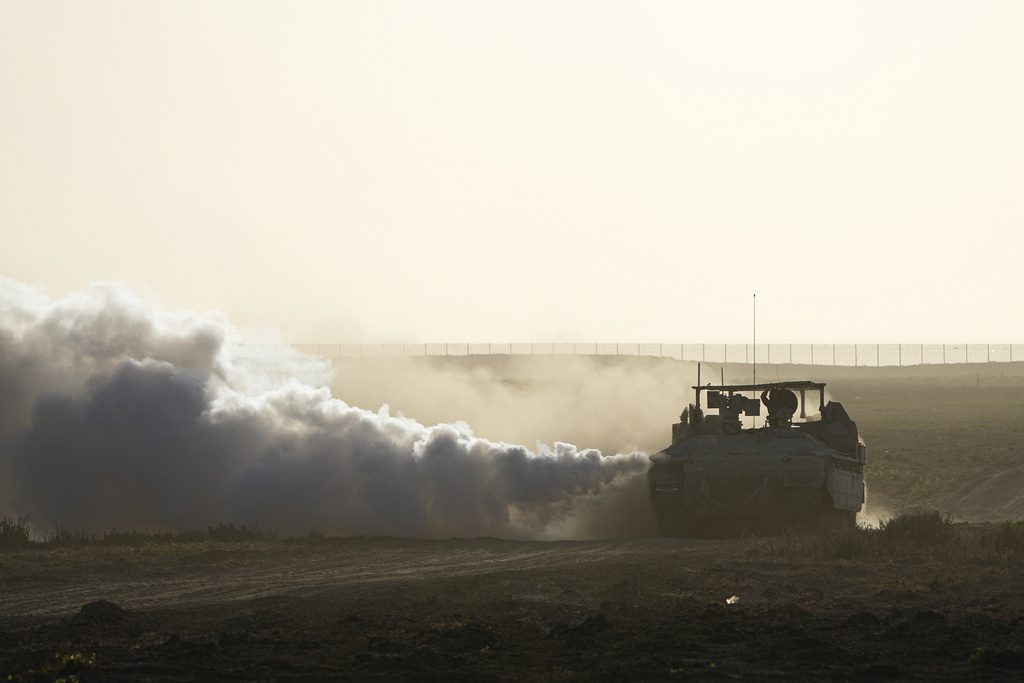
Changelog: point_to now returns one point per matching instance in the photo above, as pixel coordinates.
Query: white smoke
(114, 413)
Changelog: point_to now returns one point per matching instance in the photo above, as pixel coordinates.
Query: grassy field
(945, 437)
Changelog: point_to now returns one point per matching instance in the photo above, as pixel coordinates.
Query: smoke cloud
(115, 413)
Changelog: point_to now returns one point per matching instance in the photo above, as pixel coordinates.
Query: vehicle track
(289, 570)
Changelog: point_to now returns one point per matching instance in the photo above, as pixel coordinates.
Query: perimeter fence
(795, 354)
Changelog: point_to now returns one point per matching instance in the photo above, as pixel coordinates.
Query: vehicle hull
(759, 480)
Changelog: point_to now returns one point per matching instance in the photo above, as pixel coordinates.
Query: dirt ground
(489, 609)
(636, 608)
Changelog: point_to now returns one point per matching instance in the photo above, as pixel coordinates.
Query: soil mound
(101, 613)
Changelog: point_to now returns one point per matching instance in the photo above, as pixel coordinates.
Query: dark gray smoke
(116, 414)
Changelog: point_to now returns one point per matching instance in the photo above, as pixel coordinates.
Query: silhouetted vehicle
(719, 478)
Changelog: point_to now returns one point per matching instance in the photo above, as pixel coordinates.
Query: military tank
(721, 478)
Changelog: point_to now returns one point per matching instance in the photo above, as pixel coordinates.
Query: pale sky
(548, 171)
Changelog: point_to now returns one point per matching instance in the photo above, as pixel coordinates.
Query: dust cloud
(114, 413)
(612, 404)
(874, 513)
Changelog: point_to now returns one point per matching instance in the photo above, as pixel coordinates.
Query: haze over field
(549, 171)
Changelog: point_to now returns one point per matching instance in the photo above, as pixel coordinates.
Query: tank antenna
(755, 338)
(697, 392)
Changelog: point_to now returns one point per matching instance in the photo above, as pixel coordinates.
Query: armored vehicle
(720, 477)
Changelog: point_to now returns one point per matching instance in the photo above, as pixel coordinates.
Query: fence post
(878, 355)
(812, 354)
(791, 353)
(988, 353)
(901, 355)
(833, 354)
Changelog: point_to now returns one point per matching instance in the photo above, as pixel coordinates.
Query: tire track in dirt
(285, 570)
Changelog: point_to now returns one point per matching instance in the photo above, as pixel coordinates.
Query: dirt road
(298, 570)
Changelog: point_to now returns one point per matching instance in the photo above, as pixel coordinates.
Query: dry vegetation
(16, 533)
(913, 534)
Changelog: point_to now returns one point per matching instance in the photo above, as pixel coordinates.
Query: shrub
(64, 536)
(15, 533)
(926, 527)
(224, 533)
(230, 532)
(145, 537)
(912, 533)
